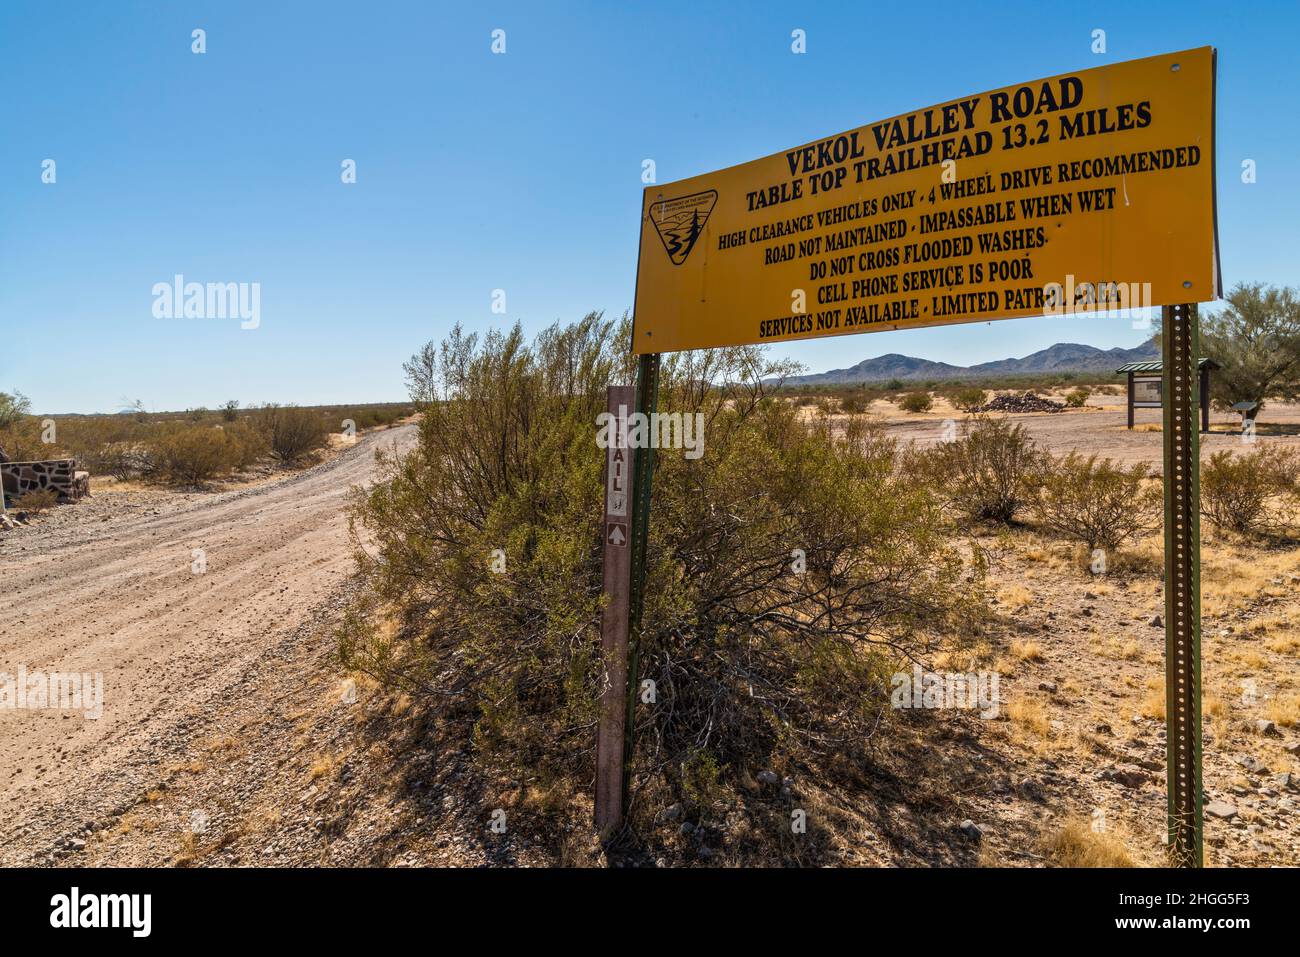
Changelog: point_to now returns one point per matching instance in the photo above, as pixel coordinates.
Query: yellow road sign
(1086, 191)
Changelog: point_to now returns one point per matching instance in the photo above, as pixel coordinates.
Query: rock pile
(1024, 402)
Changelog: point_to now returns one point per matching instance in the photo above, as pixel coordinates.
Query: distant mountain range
(1062, 357)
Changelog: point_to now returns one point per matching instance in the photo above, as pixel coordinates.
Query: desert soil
(1101, 428)
(114, 586)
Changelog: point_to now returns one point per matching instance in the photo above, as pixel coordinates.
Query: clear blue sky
(478, 172)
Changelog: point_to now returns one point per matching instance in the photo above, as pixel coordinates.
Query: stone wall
(60, 475)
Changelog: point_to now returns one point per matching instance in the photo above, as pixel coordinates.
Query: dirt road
(174, 601)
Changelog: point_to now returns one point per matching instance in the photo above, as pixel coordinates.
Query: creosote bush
(192, 454)
(987, 473)
(37, 501)
(790, 567)
(968, 399)
(1253, 494)
(916, 402)
(155, 446)
(292, 433)
(853, 403)
(1098, 503)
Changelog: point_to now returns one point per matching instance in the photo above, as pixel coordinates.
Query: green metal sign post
(643, 467)
(1181, 387)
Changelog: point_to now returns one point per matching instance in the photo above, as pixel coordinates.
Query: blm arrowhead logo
(680, 222)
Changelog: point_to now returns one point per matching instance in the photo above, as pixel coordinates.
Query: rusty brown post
(616, 531)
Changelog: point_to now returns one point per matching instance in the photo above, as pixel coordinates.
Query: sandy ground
(1082, 669)
(111, 587)
(1100, 427)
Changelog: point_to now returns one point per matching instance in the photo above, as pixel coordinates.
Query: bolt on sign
(1080, 193)
(615, 585)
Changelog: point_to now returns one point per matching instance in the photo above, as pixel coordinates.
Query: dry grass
(1153, 704)
(226, 744)
(1250, 658)
(1214, 707)
(1284, 645)
(1016, 597)
(1031, 715)
(1027, 650)
(971, 657)
(131, 821)
(1265, 624)
(1284, 711)
(1128, 651)
(1076, 844)
(1234, 577)
(323, 766)
(188, 855)
(1090, 744)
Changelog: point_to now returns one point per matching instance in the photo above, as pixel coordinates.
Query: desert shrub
(192, 454)
(292, 433)
(21, 441)
(246, 444)
(122, 453)
(230, 410)
(14, 407)
(854, 403)
(986, 473)
(916, 402)
(22, 435)
(968, 399)
(1076, 843)
(755, 663)
(369, 416)
(37, 501)
(1096, 502)
(1251, 494)
(1077, 398)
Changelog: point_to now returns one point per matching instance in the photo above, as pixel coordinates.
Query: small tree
(21, 438)
(135, 409)
(1255, 338)
(230, 410)
(12, 409)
